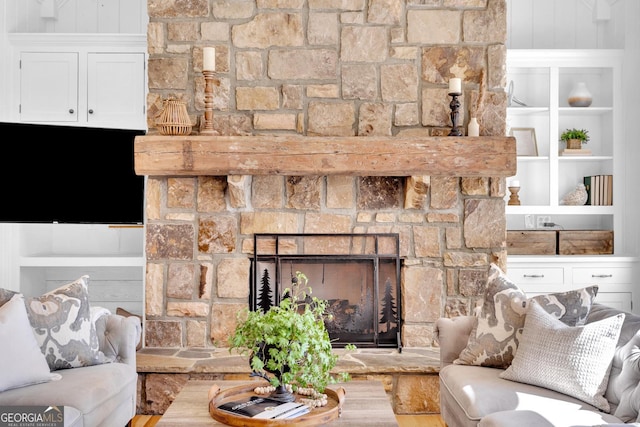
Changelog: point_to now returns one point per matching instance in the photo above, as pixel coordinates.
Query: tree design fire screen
(358, 274)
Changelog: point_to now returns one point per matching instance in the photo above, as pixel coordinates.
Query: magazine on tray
(263, 408)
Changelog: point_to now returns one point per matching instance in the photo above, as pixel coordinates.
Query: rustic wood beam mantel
(157, 155)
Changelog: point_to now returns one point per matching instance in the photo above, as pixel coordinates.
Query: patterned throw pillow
(494, 338)
(571, 360)
(6, 295)
(61, 321)
(571, 307)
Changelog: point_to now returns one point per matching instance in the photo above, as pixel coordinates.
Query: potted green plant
(289, 341)
(574, 138)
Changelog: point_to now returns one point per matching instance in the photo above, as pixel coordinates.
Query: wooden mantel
(157, 155)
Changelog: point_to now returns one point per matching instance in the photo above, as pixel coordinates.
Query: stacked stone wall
(322, 67)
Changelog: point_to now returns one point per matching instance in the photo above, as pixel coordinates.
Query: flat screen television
(69, 174)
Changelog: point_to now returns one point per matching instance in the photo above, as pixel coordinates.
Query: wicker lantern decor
(174, 119)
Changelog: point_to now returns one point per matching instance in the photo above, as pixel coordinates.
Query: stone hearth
(410, 378)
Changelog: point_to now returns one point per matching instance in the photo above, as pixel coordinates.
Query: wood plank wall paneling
(532, 24)
(79, 16)
(566, 24)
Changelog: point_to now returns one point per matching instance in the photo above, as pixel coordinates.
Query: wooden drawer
(537, 276)
(520, 242)
(585, 242)
(602, 275)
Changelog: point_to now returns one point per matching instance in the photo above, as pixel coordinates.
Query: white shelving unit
(542, 80)
(50, 255)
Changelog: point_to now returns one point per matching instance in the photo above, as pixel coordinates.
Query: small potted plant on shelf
(574, 138)
(289, 341)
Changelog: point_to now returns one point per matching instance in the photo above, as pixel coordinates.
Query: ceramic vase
(474, 127)
(580, 95)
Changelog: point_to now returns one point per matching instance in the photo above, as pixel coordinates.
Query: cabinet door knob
(91, 111)
(602, 276)
(71, 111)
(534, 276)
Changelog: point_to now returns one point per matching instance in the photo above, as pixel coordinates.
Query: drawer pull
(533, 276)
(601, 276)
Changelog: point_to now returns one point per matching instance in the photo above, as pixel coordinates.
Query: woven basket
(574, 144)
(174, 119)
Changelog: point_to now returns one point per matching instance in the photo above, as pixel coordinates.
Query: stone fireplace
(205, 204)
(331, 116)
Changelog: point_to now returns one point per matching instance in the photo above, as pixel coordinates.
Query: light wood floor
(403, 421)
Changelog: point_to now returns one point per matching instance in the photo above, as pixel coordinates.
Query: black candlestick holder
(455, 107)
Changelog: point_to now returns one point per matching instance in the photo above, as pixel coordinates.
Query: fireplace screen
(358, 274)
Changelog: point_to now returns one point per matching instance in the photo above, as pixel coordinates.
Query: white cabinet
(115, 89)
(49, 86)
(78, 80)
(615, 277)
(542, 80)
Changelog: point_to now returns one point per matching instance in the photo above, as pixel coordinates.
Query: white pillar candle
(209, 59)
(515, 183)
(455, 85)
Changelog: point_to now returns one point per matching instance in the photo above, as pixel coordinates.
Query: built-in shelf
(120, 260)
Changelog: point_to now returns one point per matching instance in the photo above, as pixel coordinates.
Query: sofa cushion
(99, 392)
(474, 392)
(542, 417)
(61, 320)
(21, 361)
(572, 360)
(494, 340)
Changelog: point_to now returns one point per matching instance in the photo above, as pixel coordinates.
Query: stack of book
(265, 408)
(575, 152)
(599, 190)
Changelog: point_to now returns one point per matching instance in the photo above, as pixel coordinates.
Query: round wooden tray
(317, 416)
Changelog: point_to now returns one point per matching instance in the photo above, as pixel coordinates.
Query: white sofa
(99, 395)
(477, 395)
(60, 356)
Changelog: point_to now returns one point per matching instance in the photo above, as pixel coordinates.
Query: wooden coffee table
(366, 403)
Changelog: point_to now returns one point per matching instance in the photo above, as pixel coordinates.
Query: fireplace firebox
(358, 274)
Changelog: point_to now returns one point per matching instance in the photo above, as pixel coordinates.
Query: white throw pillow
(21, 361)
(571, 360)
